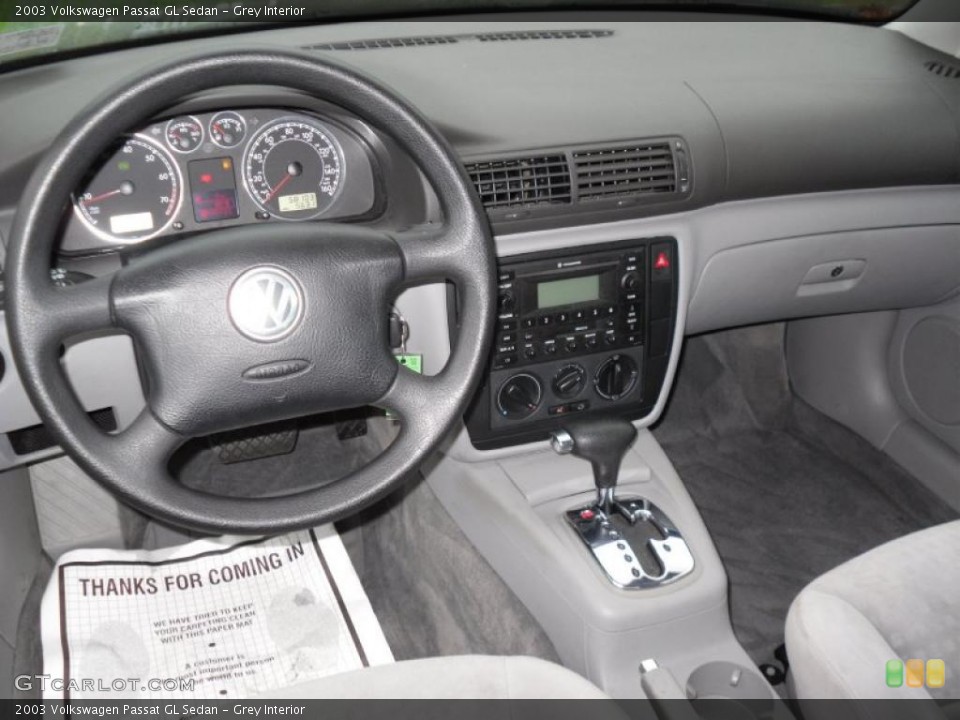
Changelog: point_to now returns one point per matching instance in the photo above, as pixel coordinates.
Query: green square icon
(894, 673)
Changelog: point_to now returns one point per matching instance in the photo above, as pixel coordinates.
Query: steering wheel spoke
(147, 443)
(431, 253)
(65, 312)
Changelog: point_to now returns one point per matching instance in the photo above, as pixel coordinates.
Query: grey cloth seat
(898, 601)
(474, 677)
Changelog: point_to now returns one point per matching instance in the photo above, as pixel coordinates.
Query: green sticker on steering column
(411, 362)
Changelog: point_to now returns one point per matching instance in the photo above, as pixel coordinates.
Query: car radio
(577, 332)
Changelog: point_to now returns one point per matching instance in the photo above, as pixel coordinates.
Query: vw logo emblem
(266, 304)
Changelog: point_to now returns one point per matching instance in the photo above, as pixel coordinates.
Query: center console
(579, 332)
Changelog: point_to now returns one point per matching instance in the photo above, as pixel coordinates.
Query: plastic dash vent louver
(633, 169)
(424, 40)
(943, 69)
(386, 43)
(514, 35)
(539, 180)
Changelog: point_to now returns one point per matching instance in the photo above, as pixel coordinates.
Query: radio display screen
(569, 291)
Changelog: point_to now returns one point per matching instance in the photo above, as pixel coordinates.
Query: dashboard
(191, 172)
(781, 175)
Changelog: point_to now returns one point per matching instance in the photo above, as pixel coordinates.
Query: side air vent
(627, 170)
(424, 40)
(541, 180)
(943, 69)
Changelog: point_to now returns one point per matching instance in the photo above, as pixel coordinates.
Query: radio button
(563, 317)
(610, 309)
(504, 361)
(579, 315)
(529, 322)
(529, 352)
(550, 347)
(570, 344)
(546, 320)
(610, 337)
(591, 341)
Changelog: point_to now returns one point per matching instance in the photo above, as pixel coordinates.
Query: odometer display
(134, 196)
(293, 169)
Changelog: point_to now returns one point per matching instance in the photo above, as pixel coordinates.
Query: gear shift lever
(602, 441)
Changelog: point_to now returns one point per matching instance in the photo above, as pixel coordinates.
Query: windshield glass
(111, 22)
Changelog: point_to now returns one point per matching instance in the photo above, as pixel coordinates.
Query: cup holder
(728, 691)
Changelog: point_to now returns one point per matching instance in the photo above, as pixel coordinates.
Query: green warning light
(123, 165)
(894, 673)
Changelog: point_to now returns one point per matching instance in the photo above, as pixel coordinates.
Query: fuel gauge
(184, 134)
(227, 129)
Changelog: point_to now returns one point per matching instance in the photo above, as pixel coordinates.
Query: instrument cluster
(191, 172)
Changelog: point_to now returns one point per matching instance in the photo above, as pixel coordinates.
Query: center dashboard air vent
(484, 37)
(629, 170)
(582, 178)
(524, 181)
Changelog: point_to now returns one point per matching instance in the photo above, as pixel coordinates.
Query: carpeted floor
(786, 493)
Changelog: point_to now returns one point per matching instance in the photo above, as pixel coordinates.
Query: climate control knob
(616, 377)
(569, 380)
(519, 397)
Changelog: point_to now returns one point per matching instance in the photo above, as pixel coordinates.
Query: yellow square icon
(936, 673)
(914, 673)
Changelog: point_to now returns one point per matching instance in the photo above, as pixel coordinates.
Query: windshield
(111, 22)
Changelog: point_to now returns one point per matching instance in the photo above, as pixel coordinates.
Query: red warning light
(206, 178)
(662, 262)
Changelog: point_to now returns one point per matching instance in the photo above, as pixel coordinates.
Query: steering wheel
(184, 307)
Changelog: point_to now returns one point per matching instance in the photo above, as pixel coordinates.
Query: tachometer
(293, 169)
(134, 196)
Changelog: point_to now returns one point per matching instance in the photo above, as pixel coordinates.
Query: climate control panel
(577, 332)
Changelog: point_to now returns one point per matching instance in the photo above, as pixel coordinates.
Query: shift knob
(603, 442)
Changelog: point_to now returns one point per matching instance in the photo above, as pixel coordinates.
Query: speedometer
(134, 196)
(293, 169)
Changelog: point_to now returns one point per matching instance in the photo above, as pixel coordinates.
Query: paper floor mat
(224, 618)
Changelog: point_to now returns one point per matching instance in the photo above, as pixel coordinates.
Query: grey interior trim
(103, 373)
(513, 511)
(852, 369)
(20, 559)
